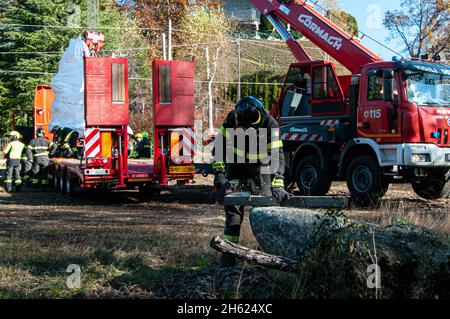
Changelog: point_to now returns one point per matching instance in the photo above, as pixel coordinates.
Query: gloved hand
(281, 194)
(221, 185)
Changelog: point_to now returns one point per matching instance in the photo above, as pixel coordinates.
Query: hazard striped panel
(329, 122)
(183, 151)
(188, 142)
(302, 137)
(92, 142)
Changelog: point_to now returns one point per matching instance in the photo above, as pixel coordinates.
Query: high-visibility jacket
(14, 150)
(251, 151)
(41, 148)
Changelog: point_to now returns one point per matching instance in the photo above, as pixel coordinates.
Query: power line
(26, 72)
(18, 25)
(143, 79)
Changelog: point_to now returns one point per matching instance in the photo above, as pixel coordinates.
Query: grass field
(128, 246)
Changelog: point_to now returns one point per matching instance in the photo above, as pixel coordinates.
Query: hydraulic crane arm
(346, 49)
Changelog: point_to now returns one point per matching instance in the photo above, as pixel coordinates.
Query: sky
(370, 14)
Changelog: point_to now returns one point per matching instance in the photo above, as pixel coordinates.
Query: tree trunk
(254, 256)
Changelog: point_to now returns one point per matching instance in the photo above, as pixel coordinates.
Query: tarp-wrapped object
(68, 86)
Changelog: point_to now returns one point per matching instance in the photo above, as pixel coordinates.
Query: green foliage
(255, 91)
(267, 97)
(275, 91)
(245, 90)
(17, 89)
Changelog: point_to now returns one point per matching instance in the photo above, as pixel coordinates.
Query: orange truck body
(43, 99)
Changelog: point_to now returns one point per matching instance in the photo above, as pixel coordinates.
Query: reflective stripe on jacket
(14, 150)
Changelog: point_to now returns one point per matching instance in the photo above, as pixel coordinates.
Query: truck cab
(396, 113)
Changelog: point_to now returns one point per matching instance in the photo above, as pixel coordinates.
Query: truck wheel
(310, 178)
(365, 181)
(149, 191)
(62, 182)
(69, 184)
(56, 181)
(436, 186)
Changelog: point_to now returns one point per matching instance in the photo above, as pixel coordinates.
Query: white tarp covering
(68, 86)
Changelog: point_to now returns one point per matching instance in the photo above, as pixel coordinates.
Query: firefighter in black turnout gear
(66, 140)
(247, 149)
(40, 148)
(14, 152)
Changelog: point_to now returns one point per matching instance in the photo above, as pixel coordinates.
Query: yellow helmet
(15, 133)
(138, 135)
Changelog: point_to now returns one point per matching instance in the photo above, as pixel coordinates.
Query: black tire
(69, 184)
(365, 181)
(56, 181)
(149, 190)
(436, 186)
(311, 179)
(62, 182)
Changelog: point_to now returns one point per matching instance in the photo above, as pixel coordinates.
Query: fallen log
(252, 256)
(341, 258)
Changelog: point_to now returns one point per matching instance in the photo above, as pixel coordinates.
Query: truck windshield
(428, 89)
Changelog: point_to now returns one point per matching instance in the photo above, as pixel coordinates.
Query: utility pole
(164, 52)
(238, 42)
(170, 40)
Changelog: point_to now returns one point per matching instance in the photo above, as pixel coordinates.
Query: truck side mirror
(388, 92)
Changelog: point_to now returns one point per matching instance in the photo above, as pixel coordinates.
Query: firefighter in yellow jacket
(14, 152)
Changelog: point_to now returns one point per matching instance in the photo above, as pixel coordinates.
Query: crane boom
(329, 37)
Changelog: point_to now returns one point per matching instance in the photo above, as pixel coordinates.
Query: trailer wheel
(149, 191)
(436, 186)
(365, 181)
(311, 179)
(56, 180)
(62, 182)
(69, 184)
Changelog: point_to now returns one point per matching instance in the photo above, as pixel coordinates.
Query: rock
(337, 255)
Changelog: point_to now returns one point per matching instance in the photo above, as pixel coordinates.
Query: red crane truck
(105, 163)
(387, 122)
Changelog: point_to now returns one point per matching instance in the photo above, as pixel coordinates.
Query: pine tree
(267, 99)
(17, 89)
(275, 92)
(230, 92)
(256, 86)
(245, 89)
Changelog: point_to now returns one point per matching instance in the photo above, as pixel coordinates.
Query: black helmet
(40, 132)
(250, 112)
(54, 129)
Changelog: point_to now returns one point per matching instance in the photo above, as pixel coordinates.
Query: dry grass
(128, 246)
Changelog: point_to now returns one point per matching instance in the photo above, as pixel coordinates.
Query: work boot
(227, 260)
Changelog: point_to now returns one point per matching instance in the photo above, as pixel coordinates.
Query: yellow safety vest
(14, 150)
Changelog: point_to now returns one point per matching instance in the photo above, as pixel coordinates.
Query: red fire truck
(387, 122)
(105, 163)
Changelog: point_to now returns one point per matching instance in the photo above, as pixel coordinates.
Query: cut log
(338, 257)
(254, 256)
(247, 199)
